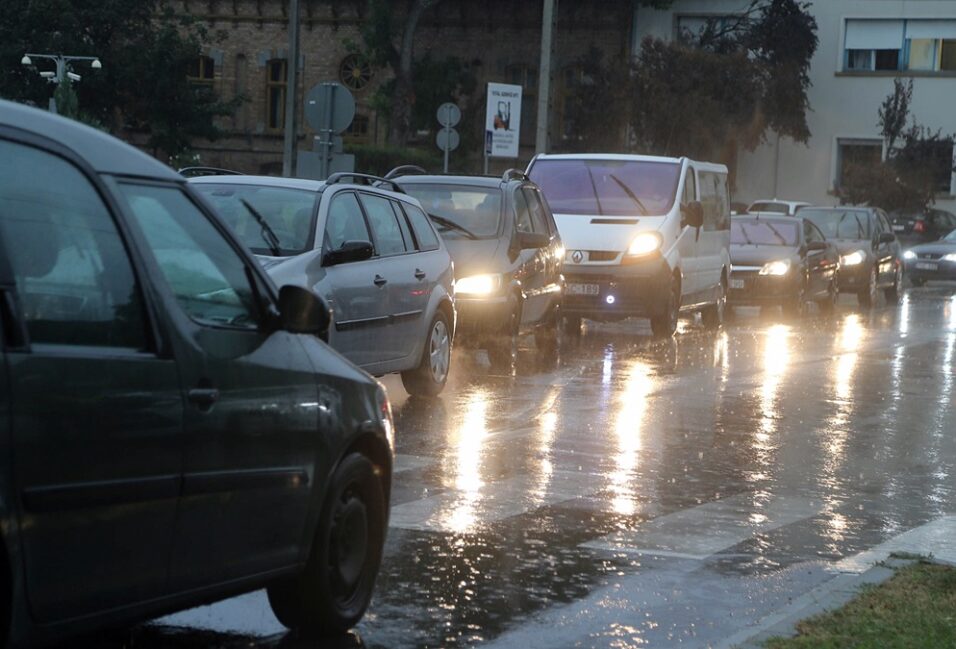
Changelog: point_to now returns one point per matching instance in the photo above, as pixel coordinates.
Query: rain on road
(646, 493)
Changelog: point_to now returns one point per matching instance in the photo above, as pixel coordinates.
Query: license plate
(899, 228)
(736, 283)
(927, 266)
(584, 289)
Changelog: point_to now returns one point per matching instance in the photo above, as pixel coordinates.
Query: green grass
(914, 608)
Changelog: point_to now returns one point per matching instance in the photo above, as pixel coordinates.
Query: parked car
(775, 206)
(922, 227)
(369, 251)
(932, 261)
(645, 236)
(782, 261)
(869, 251)
(508, 257)
(174, 430)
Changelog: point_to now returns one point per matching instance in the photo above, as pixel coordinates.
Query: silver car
(370, 252)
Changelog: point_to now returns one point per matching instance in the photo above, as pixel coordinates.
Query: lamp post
(62, 69)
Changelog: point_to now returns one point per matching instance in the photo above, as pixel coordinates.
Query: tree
(917, 165)
(145, 49)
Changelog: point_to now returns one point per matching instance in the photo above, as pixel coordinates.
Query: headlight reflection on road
(544, 468)
(468, 446)
(628, 424)
(776, 357)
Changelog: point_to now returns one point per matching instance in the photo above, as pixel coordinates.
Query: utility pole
(63, 72)
(291, 92)
(544, 77)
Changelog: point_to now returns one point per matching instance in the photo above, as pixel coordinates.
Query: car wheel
(713, 315)
(867, 296)
(548, 337)
(664, 325)
(503, 348)
(894, 292)
(332, 592)
(828, 304)
(428, 379)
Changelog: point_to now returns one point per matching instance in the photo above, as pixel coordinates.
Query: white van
(644, 236)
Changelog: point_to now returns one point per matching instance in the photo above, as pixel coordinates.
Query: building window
(355, 72)
(944, 161)
(692, 29)
(358, 130)
(853, 154)
(275, 94)
(912, 45)
(201, 71)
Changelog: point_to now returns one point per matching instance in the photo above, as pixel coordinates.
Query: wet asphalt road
(646, 493)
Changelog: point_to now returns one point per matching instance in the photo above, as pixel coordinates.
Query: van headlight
(644, 244)
(855, 258)
(909, 254)
(950, 257)
(781, 267)
(478, 284)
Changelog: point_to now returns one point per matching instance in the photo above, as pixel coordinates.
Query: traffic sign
(448, 139)
(449, 114)
(329, 106)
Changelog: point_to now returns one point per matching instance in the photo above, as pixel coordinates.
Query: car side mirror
(693, 214)
(887, 237)
(816, 246)
(303, 312)
(536, 240)
(348, 252)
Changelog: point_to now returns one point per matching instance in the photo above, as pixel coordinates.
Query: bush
(379, 160)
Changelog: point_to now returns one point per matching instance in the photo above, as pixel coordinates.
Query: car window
(539, 220)
(477, 209)
(385, 228)
(522, 213)
(840, 223)
(424, 233)
(776, 208)
(345, 222)
(690, 187)
(405, 227)
(763, 232)
(74, 279)
(208, 277)
(710, 200)
(811, 232)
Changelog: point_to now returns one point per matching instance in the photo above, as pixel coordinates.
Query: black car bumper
(617, 292)
(855, 278)
(750, 288)
(483, 316)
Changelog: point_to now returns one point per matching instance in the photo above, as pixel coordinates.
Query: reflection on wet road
(643, 492)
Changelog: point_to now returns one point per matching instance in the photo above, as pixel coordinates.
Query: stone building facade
(499, 40)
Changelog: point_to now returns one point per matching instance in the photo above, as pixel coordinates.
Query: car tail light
(919, 226)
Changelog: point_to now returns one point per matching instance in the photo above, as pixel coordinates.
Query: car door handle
(419, 273)
(203, 398)
(379, 281)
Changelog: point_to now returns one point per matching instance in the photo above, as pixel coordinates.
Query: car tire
(503, 348)
(712, 316)
(548, 337)
(429, 378)
(664, 325)
(332, 593)
(895, 292)
(867, 296)
(828, 304)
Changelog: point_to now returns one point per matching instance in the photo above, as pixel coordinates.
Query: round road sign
(448, 139)
(329, 106)
(449, 114)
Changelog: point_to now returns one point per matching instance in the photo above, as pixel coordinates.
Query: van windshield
(608, 187)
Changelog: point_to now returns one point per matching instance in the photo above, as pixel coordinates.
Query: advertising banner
(503, 119)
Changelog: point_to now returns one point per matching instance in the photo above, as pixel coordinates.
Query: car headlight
(644, 244)
(950, 257)
(909, 254)
(853, 259)
(477, 285)
(781, 267)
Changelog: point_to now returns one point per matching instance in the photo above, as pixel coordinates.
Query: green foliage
(598, 99)
(379, 160)
(145, 49)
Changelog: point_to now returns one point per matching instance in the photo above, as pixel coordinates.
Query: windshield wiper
(268, 234)
(594, 187)
(451, 225)
(777, 234)
(630, 194)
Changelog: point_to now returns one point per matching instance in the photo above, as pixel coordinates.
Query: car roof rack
(513, 173)
(192, 172)
(362, 179)
(405, 170)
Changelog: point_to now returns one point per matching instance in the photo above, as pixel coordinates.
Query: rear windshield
(840, 224)
(287, 212)
(476, 209)
(777, 208)
(608, 187)
(764, 233)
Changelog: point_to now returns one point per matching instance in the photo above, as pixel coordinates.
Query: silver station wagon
(372, 253)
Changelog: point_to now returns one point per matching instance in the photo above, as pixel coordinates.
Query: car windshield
(608, 187)
(476, 209)
(950, 237)
(288, 214)
(764, 233)
(777, 208)
(840, 224)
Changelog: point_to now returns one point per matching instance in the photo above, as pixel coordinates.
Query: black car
(781, 260)
(174, 430)
(870, 254)
(507, 255)
(930, 225)
(931, 261)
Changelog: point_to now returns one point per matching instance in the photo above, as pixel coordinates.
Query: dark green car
(173, 429)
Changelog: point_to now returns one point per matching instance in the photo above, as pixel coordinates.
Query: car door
(819, 262)
(357, 292)
(95, 405)
(251, 419)
(887, 252)
(529, 267)
(687, 242)
(542, 287)
(714, 238)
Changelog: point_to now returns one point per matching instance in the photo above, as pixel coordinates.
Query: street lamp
(62, 69)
